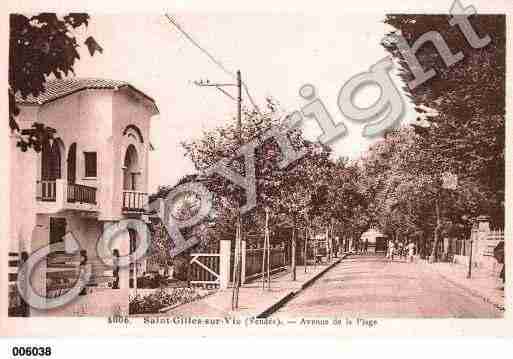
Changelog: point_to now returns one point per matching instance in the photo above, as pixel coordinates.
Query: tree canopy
(463, 106)
(41, 46)
(397, 185)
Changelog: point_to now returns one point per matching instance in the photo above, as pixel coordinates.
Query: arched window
(131, 169)
(50, 161)
(72, 163)
(133, 131)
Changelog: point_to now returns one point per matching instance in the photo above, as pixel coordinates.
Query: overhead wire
(212, 58)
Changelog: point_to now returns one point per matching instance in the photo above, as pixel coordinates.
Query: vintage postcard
(196, 173)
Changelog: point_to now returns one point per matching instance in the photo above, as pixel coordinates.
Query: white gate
(204, 269)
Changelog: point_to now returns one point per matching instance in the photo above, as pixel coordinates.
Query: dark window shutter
(90, 164)
(50, 161)
(72, 163)
(57, 229)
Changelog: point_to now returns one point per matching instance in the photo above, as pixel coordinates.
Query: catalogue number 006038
(31, 351)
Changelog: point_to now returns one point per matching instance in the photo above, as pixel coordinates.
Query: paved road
(372, 286)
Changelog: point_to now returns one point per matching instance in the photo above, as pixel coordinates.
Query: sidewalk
(253, 300)
(482, 283)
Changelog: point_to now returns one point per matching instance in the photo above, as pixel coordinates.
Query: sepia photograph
(203, 169)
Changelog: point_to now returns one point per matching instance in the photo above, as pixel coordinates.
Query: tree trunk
(306, 246)
(434, 250)
(293, 259)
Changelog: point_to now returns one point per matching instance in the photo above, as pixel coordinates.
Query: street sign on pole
(449, 180)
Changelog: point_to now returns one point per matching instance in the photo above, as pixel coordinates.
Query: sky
(276, 53)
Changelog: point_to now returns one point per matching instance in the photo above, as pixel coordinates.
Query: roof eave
(154, 108)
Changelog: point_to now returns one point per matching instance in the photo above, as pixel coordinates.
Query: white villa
(94, 173)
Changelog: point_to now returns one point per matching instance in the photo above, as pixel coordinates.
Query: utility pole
(239, 106)
(238, 236)
(266, 252)
(237, 270)
(268, 256)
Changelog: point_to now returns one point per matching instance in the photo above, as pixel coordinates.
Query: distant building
(376, 240)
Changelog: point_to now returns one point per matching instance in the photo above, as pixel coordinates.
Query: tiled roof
(56, 89)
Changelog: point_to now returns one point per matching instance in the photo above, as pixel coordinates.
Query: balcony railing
(60, 192)
(134, 201)
(81, 193)
(47, 190)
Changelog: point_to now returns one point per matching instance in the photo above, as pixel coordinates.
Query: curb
(315, 277)
(474, 292)
(278, 304)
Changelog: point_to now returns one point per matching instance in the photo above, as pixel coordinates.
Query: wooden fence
(17, 306)
(278, 260)
(483, 244)
(205, 268)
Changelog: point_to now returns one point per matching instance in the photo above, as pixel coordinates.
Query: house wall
(22, 194)
(84, 118)
(94, 120)
(128, 110)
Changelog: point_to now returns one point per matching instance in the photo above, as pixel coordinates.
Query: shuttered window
(72, 163)
(50, 161)
(57, 229)
(90, 164)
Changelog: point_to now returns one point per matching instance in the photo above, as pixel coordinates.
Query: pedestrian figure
(365, 246)
(411, 251)
(391, 249)
(400, 249)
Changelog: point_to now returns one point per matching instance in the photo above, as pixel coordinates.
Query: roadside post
(469, 273)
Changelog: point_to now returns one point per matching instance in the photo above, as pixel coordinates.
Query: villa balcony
(54, 196)
(134, 202)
